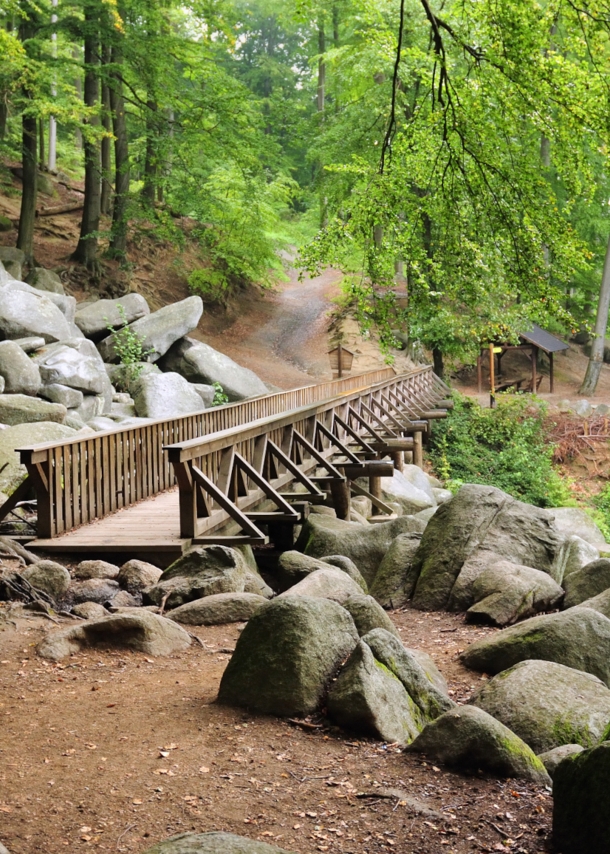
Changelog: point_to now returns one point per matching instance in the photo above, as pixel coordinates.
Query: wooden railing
(82, 479)
(223, 476)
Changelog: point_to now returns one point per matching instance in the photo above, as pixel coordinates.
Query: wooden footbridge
(243, 473)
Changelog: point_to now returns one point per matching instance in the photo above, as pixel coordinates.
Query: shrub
(505, 447)
(129, 347)
(220, 397)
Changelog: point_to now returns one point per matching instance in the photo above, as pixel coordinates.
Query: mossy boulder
(367, 698)
(507, 592)
(479, 518)
(417, 673)
(578, 638)
(368, 614)
(202, 572)
(393, 584)
(294, 566)
(587, 582)
(329, 583)
(286, 655)
(581, 812)
(48, 576)
(469, 739)
(547, 704)
(215, 842)
(218, 609)
(551, 758)
(365, 545)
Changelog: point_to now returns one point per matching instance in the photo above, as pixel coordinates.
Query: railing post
(39, 469)
(187, 495)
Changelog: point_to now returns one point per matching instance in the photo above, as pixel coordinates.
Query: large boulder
(26, 312)
(479, 519)
(218, 609)
(578, 638)
(95, 318)
(164, 396)
(201, 572)
(76, 364)
(573, 520)
(294, 566)
(286, 655)
(159, 330)
(600, 603)
(48, 576)
(587, 582)
(200, 363)
(12, 473)
(215, 842)
(23, 409)
(140, 631)
(393, 584)
(21, 374)
(328, 583)
(368, 699)
(416, 671)
(572, 556)
(95, 569)
(136, 575)
(581, 811)
(100, 590)
(551, 758)
(547, 704)
(368, 614)
(71, 398)
(404, 492)
(45, 280)
(365, 545)
(507, 592)
(470, 740)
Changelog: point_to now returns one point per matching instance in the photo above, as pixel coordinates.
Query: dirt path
(280, 334)
(111, 751)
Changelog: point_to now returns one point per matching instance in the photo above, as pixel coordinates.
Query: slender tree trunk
(601, 321)
(86, 250)
(27, 216)
(118, 239)
(41, 162)
(3, 119)
(321, 96)
(78, 85)
(105, 200)
(150, 162)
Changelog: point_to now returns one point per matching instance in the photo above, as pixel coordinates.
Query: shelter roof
(543, 339)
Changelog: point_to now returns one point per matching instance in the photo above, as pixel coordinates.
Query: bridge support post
(418, 450)
(398, 458)
(340, 492)
(375, 490)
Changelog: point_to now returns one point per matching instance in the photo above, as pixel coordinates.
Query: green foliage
(601, 511)
(504, 447)
(129, 347)
(220, 398)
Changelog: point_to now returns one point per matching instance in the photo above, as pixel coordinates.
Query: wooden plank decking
(147, 529)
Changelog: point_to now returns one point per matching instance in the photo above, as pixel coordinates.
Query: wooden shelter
(531, 342)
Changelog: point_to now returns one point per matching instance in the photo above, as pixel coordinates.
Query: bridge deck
(146, 529)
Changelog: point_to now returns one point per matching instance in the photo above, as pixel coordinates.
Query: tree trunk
(41, 162)
(3, 119)
(321, 66)
(86, 250)
(437, 359)
(27, 217)
(601, 321)
(106, 197)
(150, 163)
(118, 239)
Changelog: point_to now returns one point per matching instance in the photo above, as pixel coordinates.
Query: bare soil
(112, 751)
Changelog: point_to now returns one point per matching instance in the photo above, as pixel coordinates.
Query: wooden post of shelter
(480, 372)
(534, 367)
(551, 377)
(492, 379)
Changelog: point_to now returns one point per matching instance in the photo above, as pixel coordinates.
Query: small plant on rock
(129, 347)
(220, 397)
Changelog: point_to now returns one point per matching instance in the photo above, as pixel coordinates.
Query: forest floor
(113, 751)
